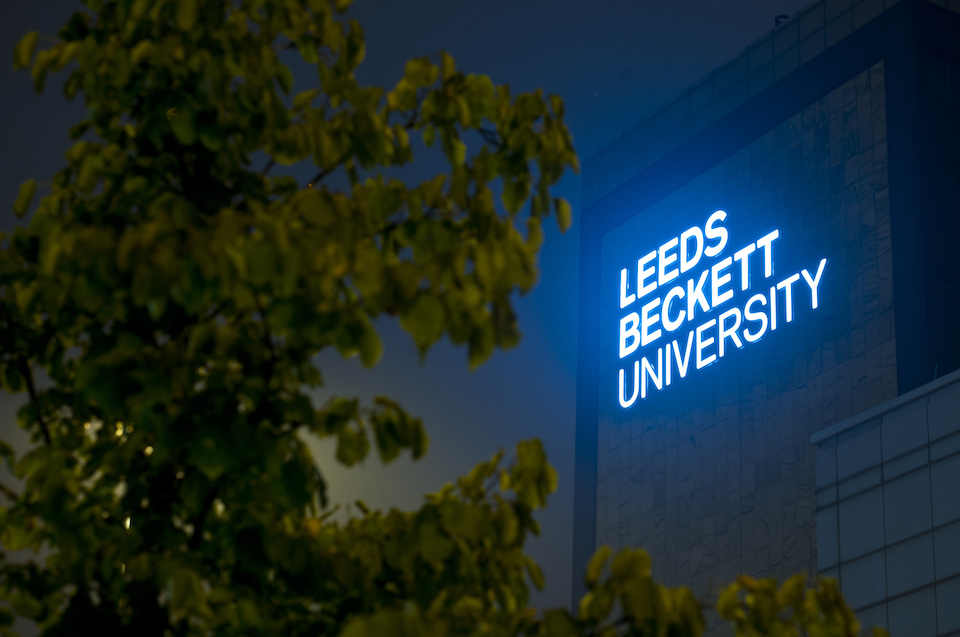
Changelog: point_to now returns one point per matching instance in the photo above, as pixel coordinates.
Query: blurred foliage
(759, 607)
(164, 303)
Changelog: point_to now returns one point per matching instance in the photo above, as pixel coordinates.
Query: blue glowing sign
(654, 316)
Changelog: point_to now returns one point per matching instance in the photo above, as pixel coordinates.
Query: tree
(164, 306)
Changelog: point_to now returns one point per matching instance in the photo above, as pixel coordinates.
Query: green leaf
(482, 341)
(141, 50)
(420, 72)
(370, 346)
(24, 50)
(308, 50)
(17, 538)
(447, 65)
(302, 100)
(24, 198)
(261, 262)
(424, 321)
(248, 612)
(285, 78)
(89, 173)
(429, 135)
(513, 196)
(25, 604)
(791, 592)
(67, 52)
(728, 603)
(564, 213)
(188, 592)
(536, 575)
(41, 65)
(595, 567)
(211, 456)
(435, 546)
(630, 563)
(387, 444)
(558, 623)
(458, 153)
(12, 378)
(383, 623)
(7, 453)
(357, 627)
(186, 14)
(181, 122)
(352, 446)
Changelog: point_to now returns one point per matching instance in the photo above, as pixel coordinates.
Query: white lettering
(773, 309)
(666, 258)
(644, 273)
(702, 343)
(720, 234)
(718, 280)
(624, 299)
(667, 369)
(696, 295)
(730, 332)
(745, 323)
(787, 285)
(648, 320)
(742, 255)
(814, 284)
(683, 361)
(624, 402)
(669, 324)
(751, 315)
(687, 262)
(765, 243)
(630, 332)
(647, 370)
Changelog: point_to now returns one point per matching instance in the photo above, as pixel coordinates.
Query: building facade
(888, 513)
(767, 268)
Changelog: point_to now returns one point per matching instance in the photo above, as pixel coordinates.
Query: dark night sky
(613, 61)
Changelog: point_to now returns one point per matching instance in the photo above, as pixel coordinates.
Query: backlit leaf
(24, 50)
(24, 197)
(186, 14)
(595, 567)
(424, 321)
(564, 214)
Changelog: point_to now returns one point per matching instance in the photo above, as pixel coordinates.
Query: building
(768, 359)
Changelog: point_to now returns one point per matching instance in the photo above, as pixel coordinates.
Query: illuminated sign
(654, 304)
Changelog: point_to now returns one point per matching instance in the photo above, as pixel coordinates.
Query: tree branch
(324, 173)
(412, 120)
(410, 124)
(492, 137)
(10, 493)
(430, 214)
(261, 411)
(216, 310)
(268, 345)
(32, 391)
(322, 52)
(268, 167)
(200, 518)
(617, 625)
